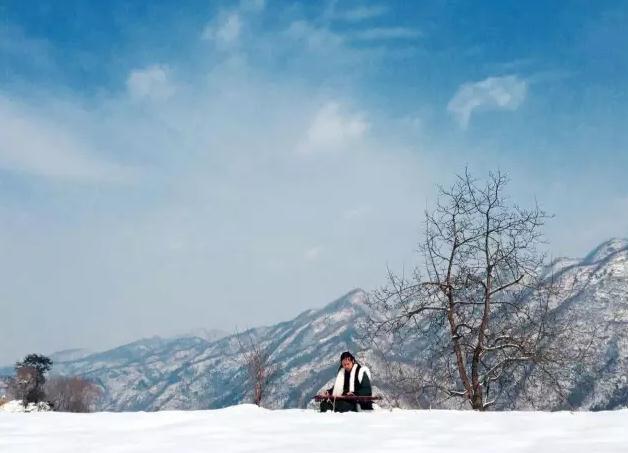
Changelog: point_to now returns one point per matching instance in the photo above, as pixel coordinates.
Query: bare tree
(258, 362)
(72, 394)
(478, 318)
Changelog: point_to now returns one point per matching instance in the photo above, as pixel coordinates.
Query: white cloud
(317, 39)
(225, 31)
(493, 93)
(151, 83)
(32, 143)
(361, 13)
(224, 195)
(383, 33)
(333, 129)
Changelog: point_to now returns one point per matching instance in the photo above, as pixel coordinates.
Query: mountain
(195, 373)
(597, 293)
(70, 354)
(205, 334)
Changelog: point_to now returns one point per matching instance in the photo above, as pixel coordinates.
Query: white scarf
(340, 379)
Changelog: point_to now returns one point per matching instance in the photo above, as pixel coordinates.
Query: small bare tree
(478, 319)
(72, 394)
(260, 368)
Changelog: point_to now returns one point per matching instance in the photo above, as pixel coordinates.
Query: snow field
(247, 428)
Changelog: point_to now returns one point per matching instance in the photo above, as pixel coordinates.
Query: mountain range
(205, 370)
(194, 373)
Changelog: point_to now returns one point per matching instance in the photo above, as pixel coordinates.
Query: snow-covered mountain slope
(205, 334)
(70, 354)
(596, 291)
(247, 428)
(193, 373)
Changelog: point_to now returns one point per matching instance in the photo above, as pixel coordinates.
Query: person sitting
(352, 379)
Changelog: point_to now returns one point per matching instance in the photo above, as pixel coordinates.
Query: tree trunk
(477, 402)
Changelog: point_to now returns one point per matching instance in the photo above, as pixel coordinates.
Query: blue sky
(172, 165)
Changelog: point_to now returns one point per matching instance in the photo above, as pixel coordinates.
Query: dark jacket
(361, 389)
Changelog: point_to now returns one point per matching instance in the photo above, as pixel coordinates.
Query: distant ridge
(192, 373)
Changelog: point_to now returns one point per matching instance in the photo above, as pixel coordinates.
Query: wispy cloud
(225, 31)
(492, 93)
(361, 13)
(384, 33)
(223, 190)
(33, 144)
(315, 38)
(152, 83)
(333, 129)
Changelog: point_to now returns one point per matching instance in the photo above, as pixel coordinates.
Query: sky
(171, 165)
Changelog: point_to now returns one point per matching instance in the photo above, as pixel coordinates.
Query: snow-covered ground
(17, 406)
(247, 428)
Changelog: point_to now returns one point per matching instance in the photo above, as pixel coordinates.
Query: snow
(17, 406)
(246, 428)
